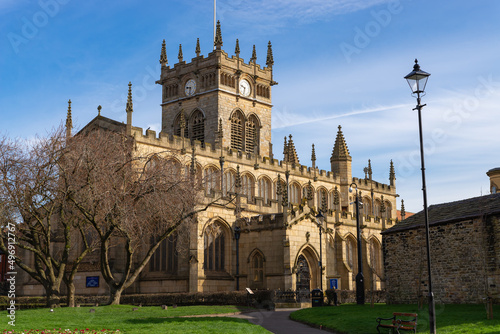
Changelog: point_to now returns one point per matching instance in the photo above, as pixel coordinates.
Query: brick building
(465, 253)
(218, 109)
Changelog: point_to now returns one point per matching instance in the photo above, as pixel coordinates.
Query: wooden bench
(399, 322)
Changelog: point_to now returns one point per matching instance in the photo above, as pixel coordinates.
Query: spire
(382, 204)
(313, 154)
(129, 109)
(292, 153)
(269, 60)
(370, 172)
(324, 203)
(310, 194)
(392, 174)
(69, 121)
(163, 55)
(336, 199)
(180, 56)
(130, 105)
(279, 190)
(403, 211)
(254, 55)
(284, 201)
(197, 50)
(340, 150)
(237, 181)
(192, 167)
(237, 48)
(218, 37)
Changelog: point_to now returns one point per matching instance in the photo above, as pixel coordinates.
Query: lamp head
(417, 79)
(320, 218)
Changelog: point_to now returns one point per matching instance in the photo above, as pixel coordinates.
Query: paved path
(278, 322)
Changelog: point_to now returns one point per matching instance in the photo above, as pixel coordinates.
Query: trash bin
(317, 297)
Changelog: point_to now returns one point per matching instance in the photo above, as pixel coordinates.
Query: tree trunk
(115, 295)
(71, 293)
(53, 298)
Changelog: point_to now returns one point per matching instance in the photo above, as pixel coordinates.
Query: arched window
(247, 186)
(165, 258)
(367, 206)
(177, 127)
(265, 189)
(229, 178)
(197, 123)
(252, 135)
(237, 134)
(214, 252)
(388, 210)
(376, 208)
(351, 254)
(375, 257)
(211, 179)
(257, 268)
(295, 193)
(322, 193)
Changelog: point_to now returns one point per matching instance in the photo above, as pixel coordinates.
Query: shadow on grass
(157, 320)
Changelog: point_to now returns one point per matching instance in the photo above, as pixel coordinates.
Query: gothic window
(351, 254)
(388, 210)
(177, 127)
(367, 206)
(247, 186)
(211, 179)
(214, 252)
(265, 189)
(377, 205)
(197, 126)
(319, 198)
(165, 258)
(229, 178)
(375, 257)
(295, 194)
(251, 134)
(258, 268)
(237, 134)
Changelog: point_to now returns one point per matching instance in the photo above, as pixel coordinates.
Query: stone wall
(464, 259)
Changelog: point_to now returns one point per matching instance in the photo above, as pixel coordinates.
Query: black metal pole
(320, 262)
(360, 281)
(237, 237)
(432, 308)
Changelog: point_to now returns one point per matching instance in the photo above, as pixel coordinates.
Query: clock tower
(199, 95)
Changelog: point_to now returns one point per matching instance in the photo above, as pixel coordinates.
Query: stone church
(216, 110)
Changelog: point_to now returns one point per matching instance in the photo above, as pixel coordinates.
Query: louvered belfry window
(250, 135)
(237, 134)
(198, 126)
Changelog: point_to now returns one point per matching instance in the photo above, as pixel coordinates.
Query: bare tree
(35, 201)
(129, 198)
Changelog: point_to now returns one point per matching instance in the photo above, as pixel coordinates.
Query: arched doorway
(303, 274)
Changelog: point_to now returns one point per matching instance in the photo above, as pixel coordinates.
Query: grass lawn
(145, 320)
(360, 319)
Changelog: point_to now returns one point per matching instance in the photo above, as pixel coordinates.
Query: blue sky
(338, 62)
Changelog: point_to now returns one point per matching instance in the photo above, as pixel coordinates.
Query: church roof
(340, 150)
(451, 212)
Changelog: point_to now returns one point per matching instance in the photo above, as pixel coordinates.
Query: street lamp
(320, 220)
(237, 232)
(417, 79)
(360, 281)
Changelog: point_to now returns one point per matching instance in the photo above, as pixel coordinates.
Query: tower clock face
(190, 87)
(244, 88)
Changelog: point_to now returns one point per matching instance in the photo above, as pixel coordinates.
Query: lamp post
(360, 280)
(319, 220)
(417, 79)
(237, 232)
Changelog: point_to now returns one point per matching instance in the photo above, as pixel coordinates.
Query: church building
(216, 112)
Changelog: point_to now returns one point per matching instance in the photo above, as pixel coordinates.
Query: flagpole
(215, 22)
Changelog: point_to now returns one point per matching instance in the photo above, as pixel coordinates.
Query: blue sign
(334, 283)
(92, 281)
